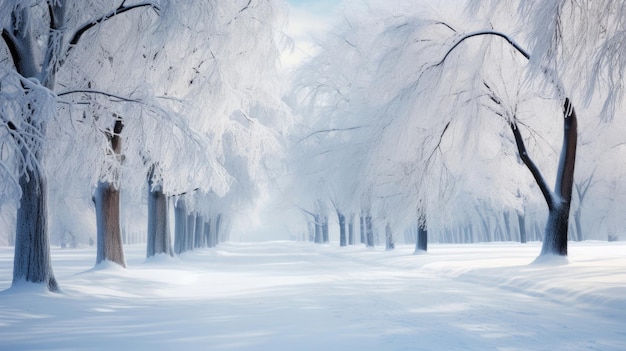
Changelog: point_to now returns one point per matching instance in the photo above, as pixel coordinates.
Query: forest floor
(302, 296)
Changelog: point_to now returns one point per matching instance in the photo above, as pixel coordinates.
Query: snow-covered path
(301, 296)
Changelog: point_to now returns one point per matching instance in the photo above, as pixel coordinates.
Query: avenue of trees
(463, 119)
(415, 121)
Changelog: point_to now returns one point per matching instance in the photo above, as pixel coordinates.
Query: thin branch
(88, 91)
(530, 164)
(118, 11)
(329, 131)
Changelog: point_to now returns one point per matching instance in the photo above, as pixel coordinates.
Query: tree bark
(555, 239)
(31, 261)
(421, 244)
(325, 237)
(109, 234)
(180, 226)
(342, 228)
(159, 241)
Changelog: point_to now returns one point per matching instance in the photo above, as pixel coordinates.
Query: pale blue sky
(308, 20)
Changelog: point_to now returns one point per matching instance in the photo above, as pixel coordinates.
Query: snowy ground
(301, 296)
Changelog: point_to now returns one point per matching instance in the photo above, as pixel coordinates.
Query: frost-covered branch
(118, 11)
(11, 43)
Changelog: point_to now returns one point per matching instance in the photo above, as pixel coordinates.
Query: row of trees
(443, 117)
(181, 95)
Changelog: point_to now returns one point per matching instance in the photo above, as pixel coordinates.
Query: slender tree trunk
(421, 244)
(362, 227)
(191, 231)
(199, 232)
(325, 237)
(351, 230)
(369, 232)
(180, 225)
(207, 233)
(218, 229)
(109, 234)
(318, 229)
(579, 228)
(389, 242)
(159, 241)
(342, 229)
(522, 228)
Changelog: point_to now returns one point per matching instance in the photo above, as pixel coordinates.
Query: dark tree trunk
(342, 228)
(159, 241)
(555, 240)
(109, 234)
(421, 244)
(31, 260)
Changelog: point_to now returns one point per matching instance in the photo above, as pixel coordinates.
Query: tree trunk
(555, 239)
(207, 233)
(109, 234)
(325, 237)
(389, 243)
(31, 261)
(199, 232)
(342, 228)
(180, 226)
(362, 227)
(159, 241)
(421, 244)
(218, 229)
(318, 229)
(579, 228)
(191, 231)
(351, 230)
(522, 228)
(369, 232)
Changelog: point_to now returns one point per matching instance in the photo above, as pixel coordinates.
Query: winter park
(312, 175)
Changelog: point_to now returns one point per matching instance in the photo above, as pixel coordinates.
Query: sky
(309, 20)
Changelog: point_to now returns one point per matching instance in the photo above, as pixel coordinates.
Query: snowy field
(301, 296)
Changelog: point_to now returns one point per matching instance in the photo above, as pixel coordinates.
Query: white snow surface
(302, 296)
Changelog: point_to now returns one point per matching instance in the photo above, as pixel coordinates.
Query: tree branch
(88, 91)
(11, 43)
(530, 164)
(118, 11)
